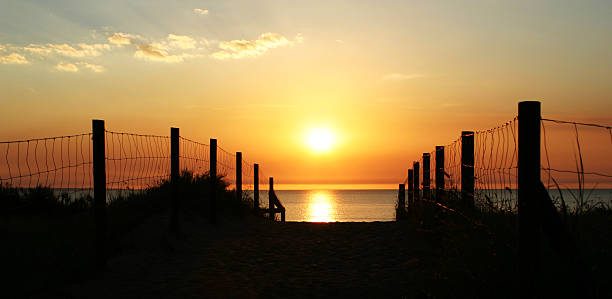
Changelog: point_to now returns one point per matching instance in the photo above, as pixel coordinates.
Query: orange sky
(390, 81)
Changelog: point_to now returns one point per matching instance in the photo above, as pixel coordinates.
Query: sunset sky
(386, 80)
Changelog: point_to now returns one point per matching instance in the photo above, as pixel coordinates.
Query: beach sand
(256, 258)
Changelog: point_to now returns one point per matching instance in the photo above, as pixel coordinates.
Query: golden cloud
(151, 52)
(201, 11)
(66, 67)
(13, 58)
(252, 48)
(83, 50)
(93, 67)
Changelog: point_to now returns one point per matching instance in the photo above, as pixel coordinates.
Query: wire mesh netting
(194, 156)
(577, 163)
(226, 166)
(452, 165)
(63, 163)
(135, 162)
(495, 167)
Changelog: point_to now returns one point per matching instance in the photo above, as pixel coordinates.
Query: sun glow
(321, 208)
(320, 139)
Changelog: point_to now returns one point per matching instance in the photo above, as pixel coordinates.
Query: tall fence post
(416, 182)
(401, 196)
(99, 181)
(213, 179)
(467, 168)
(270, 196)
(410, 186)
(174, 178)
(256, 186)
(239, 176)
(426, 175)
(529, 117)
(439, 172)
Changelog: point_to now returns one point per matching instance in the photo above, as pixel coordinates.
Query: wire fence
(495, 167)
(63, 163)
(576, 164)
(134, 162)
(452, 165)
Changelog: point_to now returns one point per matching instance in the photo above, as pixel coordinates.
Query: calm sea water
(338, 205)
(379, 205)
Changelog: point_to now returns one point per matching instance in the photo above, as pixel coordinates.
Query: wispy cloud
(153, 53)
(200, 11)
(67, 67)
(2, 48)
(121, 39)
(182, 42)
(80, 50)
(237, 49)
(93, 67)
(14, 58)
(394, 77)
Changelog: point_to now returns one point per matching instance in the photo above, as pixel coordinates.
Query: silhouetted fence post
(174, 178)
(416, 182)
(467, 168)
(256, 186)
(239, 176)
(529, 117)
(439, 172)
(426, 175)
(401, 197)
(99, 181)
(213, 179)
(410, 186)
(270, 198)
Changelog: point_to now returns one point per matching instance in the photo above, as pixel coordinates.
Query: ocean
(331, 205)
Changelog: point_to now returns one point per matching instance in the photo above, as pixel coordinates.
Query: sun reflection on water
(321, 207)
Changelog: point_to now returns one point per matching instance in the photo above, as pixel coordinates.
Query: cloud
(121, 39)
(237, 49)
(2, 48)
(200, 11)
(151, 52)
(82, 49)
(174, 42)
(13, 58)
(394, 77)
(66, 67)
(93, 67)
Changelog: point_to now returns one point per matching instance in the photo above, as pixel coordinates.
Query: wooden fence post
(467, 168)
(174, 178)
(426, 175)
(213, 179)
(439, 172)
(529, 117)
(99, 181)
(401, 197)
(270, 197)
(410, 186)
(256, 186)
(239, 176)
(416, 182)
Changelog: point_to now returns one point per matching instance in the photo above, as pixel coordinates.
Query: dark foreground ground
(262, 259)
(254, 258)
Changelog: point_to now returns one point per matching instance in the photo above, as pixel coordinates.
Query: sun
(320, 139)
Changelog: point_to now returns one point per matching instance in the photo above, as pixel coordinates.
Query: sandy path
(384, 259)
